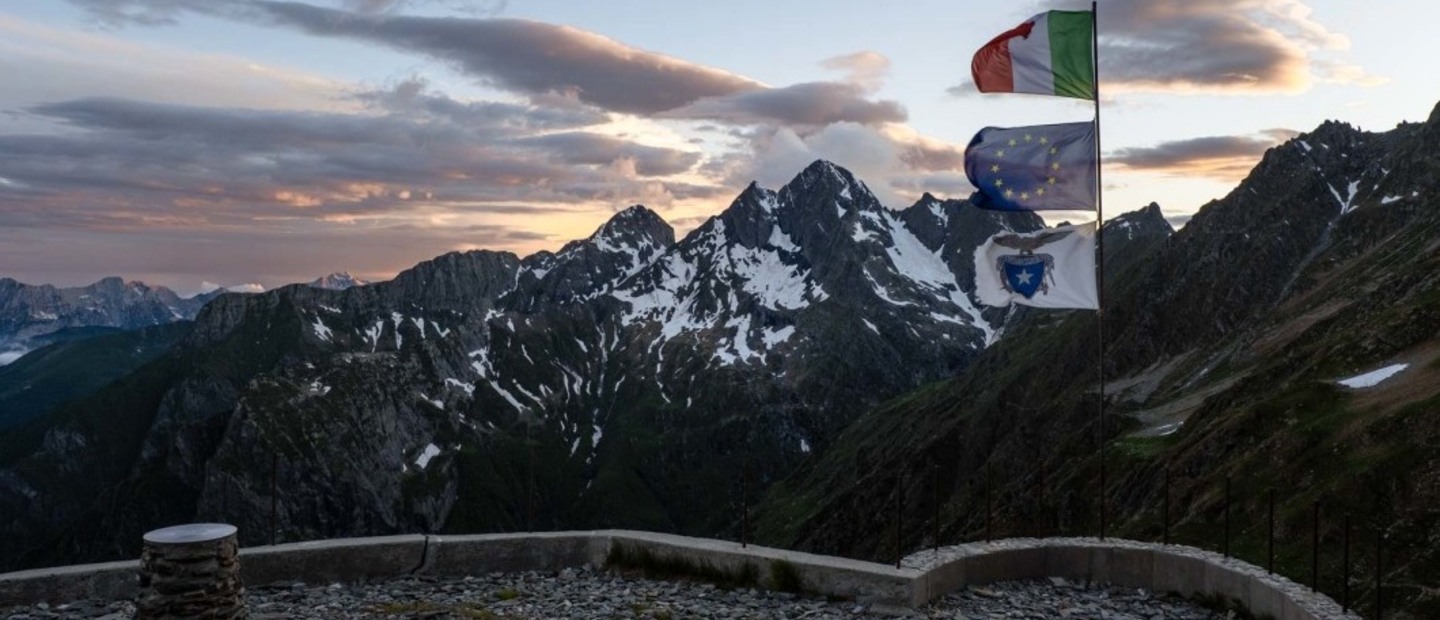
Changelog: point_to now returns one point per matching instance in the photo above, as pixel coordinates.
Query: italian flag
(1049, 54)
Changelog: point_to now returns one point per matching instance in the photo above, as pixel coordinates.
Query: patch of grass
(507, 594)
(1317, 409)
(1144, 447)
(656, 566)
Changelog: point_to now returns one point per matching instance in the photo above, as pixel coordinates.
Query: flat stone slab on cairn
(191, 571)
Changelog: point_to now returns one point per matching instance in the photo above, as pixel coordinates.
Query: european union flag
(1037, 168)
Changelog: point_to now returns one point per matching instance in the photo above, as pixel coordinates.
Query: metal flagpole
(1099, 246)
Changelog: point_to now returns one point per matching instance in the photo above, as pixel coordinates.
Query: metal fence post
(274, 491)
(1270, 566)
(745, 503)
(1345, 568)
(935, 496)
(1227, 517)
(1166, 517)
(1315, 545)
(1379, 574)
(989, 504)
(899, 516)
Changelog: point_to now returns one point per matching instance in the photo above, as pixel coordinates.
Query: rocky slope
(1226, 347)
(625, 380)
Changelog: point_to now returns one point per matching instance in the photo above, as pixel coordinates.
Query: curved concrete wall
(923, 576)
(1159, 568)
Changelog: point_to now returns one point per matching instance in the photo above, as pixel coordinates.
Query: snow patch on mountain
(766, 276)
(1374, 377)
(1347, 204)
(423, 460)
(321, 330)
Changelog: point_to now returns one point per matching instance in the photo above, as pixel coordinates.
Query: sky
(195, 143)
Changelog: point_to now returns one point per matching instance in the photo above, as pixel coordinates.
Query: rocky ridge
(1226, 344)
(656, 380)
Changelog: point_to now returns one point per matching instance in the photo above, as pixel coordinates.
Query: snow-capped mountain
(337, 281)
(30, 313)
(642, 372)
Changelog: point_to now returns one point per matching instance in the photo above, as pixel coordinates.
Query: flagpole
(1099, 246)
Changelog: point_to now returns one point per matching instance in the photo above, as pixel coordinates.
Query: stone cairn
(191, 571)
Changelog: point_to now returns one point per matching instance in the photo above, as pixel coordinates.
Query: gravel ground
(606, 595)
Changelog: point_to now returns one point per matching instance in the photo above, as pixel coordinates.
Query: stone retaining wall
(923, 576)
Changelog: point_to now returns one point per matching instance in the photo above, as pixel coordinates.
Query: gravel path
(606, 595)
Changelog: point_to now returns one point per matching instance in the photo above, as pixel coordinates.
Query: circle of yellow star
(1027, 137)
(1050, 180)
(1012, 141)
(1055, 165)
(1024, 195)
(995, 168)
(999, 182)
(1009, 193)
(1039, 191)
(1000, 153)
(1044, 140)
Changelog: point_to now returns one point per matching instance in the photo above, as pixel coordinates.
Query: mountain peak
(821, 170)
(1147, 220)
(337, 281)
(823, 178)
(636, 226)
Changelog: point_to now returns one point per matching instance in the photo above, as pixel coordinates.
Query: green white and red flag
(1049, 54)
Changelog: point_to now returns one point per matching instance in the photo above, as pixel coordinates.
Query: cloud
(409, 96)
(122, 13)
(474, 7)
(1249, 46)
(866, 69)
(43, 64)
(558, 66)
(530, 57)
(899, 163)
(1226, 158)
(560, 62)
(118, 13)
(596, 149)
(261, 160)
(258, 252)
(963, 90)
(809, 104)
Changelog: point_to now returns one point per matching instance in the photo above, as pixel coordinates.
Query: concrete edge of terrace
(922, 577)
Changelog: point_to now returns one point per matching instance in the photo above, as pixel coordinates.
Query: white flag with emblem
(1048, 268)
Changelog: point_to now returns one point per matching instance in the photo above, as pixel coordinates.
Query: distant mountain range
(642, 374)
(32, 316)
